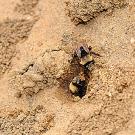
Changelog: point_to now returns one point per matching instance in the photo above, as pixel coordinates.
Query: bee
(78, 86)
(84, 53)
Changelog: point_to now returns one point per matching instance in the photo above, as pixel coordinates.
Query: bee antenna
(90, 48)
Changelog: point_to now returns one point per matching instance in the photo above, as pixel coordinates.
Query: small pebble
(18, 94)
(132, 40)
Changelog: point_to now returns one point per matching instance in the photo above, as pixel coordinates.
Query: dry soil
(37, 42)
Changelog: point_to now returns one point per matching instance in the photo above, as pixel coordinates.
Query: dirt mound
(81, 11)
(12, 32)
(40, 74)
(34, 122)
(26, 7)
(112, 90)
(107, 108)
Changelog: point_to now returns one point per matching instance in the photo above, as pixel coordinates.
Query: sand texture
(38, 39)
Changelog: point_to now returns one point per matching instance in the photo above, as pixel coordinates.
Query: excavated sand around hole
(36, 67)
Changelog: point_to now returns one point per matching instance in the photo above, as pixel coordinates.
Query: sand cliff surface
(37, 42)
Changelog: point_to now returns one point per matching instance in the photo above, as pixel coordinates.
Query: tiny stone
(18, 94)
(76, 99)
(132, 40)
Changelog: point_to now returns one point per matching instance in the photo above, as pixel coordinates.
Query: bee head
(82, 52)
(81, 48)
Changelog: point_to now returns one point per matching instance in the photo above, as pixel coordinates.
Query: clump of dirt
(68, 43)
(112, 89)
(12, 32)
(111, 82)
(40, 74)
(26, 7)
(34, 122)
(82, 11)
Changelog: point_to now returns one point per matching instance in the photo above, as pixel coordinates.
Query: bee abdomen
(73, 88)
(86, 59)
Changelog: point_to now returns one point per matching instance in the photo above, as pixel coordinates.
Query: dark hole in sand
(73, 71)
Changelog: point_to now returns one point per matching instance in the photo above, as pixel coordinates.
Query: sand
(37, 42)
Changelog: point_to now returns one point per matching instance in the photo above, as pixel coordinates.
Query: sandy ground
(35, 39)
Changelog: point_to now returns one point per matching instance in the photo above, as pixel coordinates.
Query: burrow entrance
(73, 71)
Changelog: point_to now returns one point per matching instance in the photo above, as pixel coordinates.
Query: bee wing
(86, 48)
(78, 52)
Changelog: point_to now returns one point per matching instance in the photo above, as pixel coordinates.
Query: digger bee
(84, 53)
(78, 86)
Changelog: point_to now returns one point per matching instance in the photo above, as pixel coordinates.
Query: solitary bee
(84, 53)
(78, 86)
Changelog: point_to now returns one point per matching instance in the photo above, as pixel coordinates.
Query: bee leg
(86, 72)
(97, 54)
(88, 65)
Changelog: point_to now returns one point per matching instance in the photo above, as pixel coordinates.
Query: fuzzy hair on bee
(73, 88)
(78, 85)
(84, 54)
